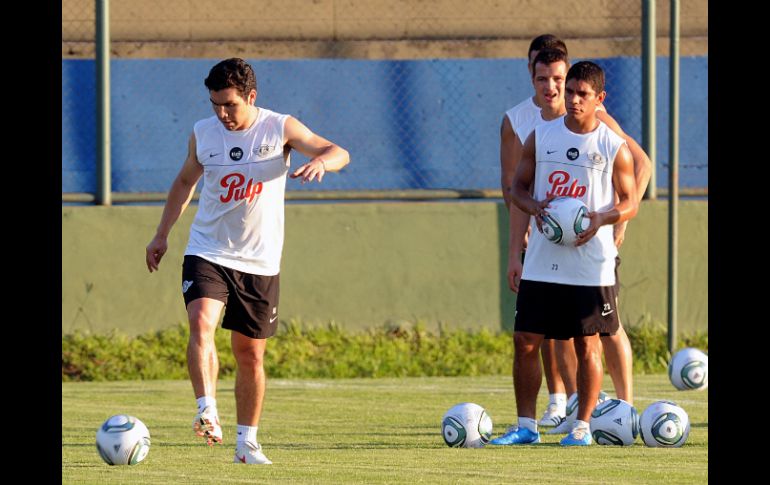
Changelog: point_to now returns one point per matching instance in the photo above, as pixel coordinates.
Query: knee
(526, 344)
(202, 329)
(249, 358)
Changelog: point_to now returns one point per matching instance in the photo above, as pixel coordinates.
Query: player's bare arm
(179, 197)
(510, 153)
(642, 169)
(642, 162)
(627, 204)
(522, 185)
(519, 220)
(324, 155)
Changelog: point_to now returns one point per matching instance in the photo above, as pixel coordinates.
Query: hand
(155, 251)
(597, 221)
(540, 212)
(619, 231)
(309, 171)
(515, 269)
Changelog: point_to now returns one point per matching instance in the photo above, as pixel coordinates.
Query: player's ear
(252, 96)
(602, 96)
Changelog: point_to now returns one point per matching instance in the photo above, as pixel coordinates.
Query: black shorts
(251, 300)
(564, 311)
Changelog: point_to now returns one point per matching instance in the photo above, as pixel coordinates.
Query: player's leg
(555, 411)
(567, 362)
(589, 377)
(619, 359)
(252, 315)
(566, 358)
(249, 394)
(203, 365)
(204, 292)
(618, 354)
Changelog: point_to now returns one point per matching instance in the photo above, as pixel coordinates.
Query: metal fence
(415, 90)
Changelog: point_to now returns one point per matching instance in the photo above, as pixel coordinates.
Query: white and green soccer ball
(466, 425)
(664, 424)
(565, 219)
(572, 405)
(123, 440)
(615, 422)
(689, 369)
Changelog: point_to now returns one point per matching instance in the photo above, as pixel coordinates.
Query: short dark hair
(549, 56)
(589, 72)
(232, 73)
(546, 41)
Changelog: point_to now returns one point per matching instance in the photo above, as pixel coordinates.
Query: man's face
(231, 109)
(549, 84)
(580, 99)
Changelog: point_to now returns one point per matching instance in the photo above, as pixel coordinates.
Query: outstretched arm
(324, 155)
(179, 197)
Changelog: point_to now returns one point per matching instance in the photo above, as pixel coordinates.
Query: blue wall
(407, 124)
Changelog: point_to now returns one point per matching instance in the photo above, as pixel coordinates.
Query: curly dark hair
(232, 73)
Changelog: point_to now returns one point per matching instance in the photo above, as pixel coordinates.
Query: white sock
(581, 424)
(246, 433)
(206, 401)
(529, 423)
(560, 399)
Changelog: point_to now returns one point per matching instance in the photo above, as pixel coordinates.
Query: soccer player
(234, 250)
(518, 122)
(581, 278)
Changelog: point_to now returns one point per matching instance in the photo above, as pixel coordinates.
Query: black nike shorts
(251, 301)
(564, 311)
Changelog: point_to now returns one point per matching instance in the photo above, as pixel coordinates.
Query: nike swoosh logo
(548, 152)
(604, 314)
(213, 155)
(273, 319)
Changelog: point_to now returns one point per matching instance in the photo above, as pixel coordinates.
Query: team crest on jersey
(236, 153)
(573, 153)
(263, 150)
(596, 158)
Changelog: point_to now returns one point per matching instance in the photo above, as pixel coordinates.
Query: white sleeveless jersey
(240, 218)
(575, 165)
(524, 117)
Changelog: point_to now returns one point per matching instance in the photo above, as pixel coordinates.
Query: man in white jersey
(568, 291)
(517, 123)
(234, 251)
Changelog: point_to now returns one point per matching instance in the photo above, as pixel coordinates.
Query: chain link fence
(414, 90)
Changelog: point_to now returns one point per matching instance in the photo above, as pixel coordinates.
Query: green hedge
(330, 351)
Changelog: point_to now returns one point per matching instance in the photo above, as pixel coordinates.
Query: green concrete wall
(365, 264)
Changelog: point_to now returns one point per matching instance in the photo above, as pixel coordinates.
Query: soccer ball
(664, 424)
(572, 405)
(565, 218)
(466, 425)
(615, 422)
(689, 369)
(123, 440)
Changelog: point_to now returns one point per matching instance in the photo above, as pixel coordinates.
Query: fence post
(673, 174)
(649, 56)
(103, 165)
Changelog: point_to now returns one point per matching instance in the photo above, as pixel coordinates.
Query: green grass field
(363, 431)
